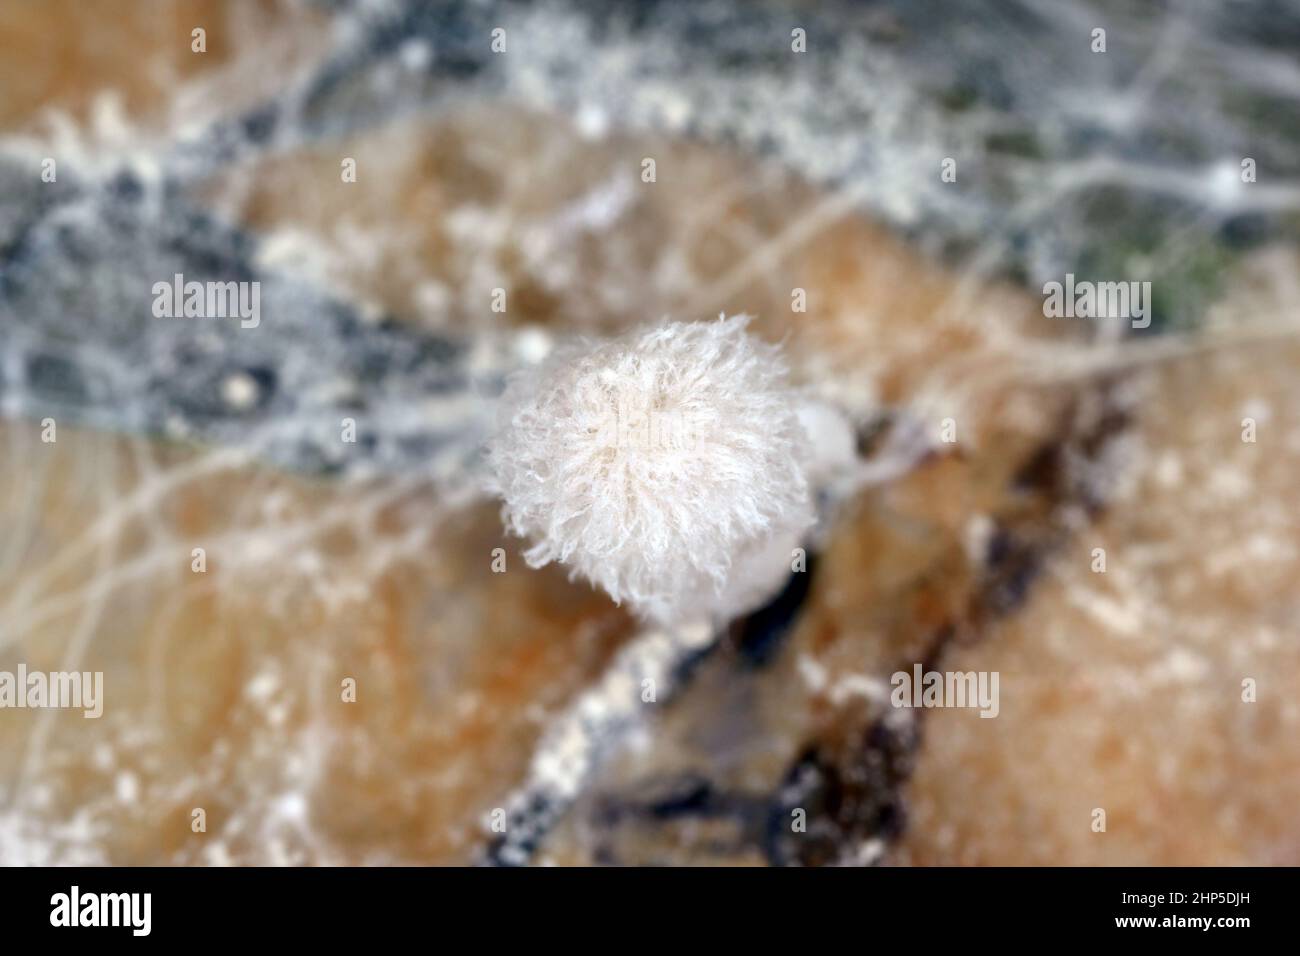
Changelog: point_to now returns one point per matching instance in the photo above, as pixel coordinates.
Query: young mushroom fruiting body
(666, 465)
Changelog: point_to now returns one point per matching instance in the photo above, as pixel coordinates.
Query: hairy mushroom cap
(656, 464)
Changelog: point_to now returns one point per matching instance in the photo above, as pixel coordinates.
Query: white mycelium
(664, 466)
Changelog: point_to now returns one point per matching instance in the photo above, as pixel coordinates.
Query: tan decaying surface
(136, 66)
(1124, 691)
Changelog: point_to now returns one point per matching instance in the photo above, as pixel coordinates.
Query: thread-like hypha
(665, 466)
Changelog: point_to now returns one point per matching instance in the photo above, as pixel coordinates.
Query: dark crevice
(847, 787)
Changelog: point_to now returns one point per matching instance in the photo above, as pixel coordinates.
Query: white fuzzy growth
(653, 464)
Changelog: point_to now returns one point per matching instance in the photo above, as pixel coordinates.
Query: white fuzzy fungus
(663, 466)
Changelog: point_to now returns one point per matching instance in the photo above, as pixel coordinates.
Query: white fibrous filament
(665, 466)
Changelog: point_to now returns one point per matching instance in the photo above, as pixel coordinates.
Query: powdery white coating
(656, 463)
